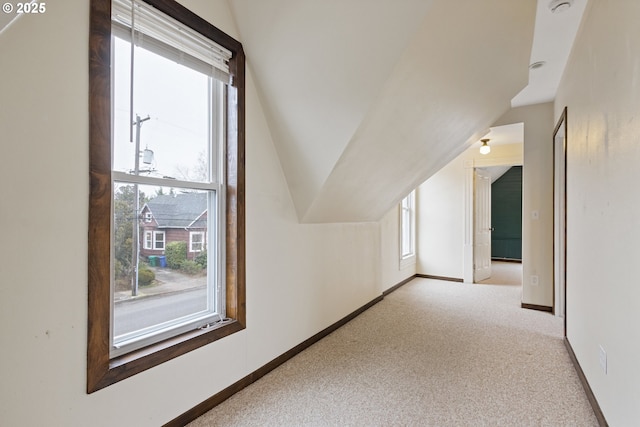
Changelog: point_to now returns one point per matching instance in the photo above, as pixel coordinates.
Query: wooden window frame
(102, 370)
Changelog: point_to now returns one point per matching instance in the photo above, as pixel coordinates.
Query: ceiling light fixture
(485, 149)
(559, 6)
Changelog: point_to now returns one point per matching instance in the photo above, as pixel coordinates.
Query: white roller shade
(161, 34)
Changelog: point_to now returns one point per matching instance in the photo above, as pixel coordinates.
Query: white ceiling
(366, 99)
(552, 41)
(506, 134)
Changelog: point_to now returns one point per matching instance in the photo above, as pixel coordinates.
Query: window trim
(102, 370)
(203, 242)
(147, 242)
(410, 258)
(157, 233)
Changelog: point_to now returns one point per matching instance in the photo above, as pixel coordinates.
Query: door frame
(469, 167)
(560, 208)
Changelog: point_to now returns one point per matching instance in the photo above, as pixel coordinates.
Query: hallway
(431, 353)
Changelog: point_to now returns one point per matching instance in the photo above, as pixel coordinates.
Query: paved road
(139, 313)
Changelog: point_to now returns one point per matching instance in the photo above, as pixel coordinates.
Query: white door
(481, 225)
(559, 220)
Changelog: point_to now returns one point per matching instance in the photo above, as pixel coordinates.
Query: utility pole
(136, 212)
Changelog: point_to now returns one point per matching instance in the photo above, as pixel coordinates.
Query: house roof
(178, 211)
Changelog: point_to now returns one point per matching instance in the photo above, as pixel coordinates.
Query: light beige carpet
(504, 273)
(433, 353)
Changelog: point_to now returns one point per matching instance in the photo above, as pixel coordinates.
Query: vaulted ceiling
(365, 99)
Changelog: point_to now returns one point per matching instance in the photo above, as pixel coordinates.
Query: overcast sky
(175, 99)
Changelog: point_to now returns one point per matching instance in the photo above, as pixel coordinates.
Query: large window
(407, 229)
(167, 117)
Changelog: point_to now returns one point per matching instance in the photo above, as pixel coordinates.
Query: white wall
(441, 222)
(601, 90)
(300, 278)
(537, 195)
(441, 210)
(392, 272)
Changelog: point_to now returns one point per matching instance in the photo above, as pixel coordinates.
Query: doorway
(506, 213)
(560, 218)
(497, 223)
(497, 157)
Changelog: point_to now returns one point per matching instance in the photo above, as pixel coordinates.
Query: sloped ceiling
(366, 99)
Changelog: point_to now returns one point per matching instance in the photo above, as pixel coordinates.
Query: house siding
(171, 235)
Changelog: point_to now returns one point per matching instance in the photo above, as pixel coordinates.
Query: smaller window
(407, 229)
(196, 241)
(158, 240)
(148, 239)
(147, 217)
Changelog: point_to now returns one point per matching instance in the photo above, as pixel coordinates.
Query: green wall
(506, 215)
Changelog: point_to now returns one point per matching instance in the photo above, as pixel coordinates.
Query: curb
(155, 295)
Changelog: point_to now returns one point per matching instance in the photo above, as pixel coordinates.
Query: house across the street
(174, 218)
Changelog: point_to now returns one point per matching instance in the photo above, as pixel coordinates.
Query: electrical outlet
(534, 281)
(603, 359)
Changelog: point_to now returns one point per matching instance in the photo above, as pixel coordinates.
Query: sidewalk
(167, 281)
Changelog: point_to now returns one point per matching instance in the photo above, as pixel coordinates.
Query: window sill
(407, 262)
(127, 365)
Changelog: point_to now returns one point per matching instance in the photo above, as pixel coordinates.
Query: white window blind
(163, 35)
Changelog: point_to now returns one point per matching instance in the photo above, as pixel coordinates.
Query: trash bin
(162, 261)
(153, 260)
